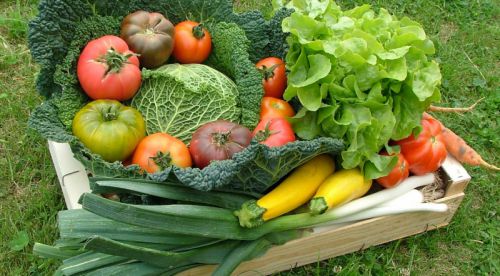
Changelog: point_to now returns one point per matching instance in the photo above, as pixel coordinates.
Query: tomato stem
(110, 115)
(221, 138)
(162, 160)
(114, 60)
(268, 72)
(198, 31)
(262, 135)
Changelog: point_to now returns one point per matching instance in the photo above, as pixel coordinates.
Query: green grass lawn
(467, 35)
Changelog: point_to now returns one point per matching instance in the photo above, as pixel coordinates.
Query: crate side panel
(457, 176)
(71, 174)
(342, 240)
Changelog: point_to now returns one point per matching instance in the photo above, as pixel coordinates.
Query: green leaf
(20, 241)
(310, 97)
(309, 71)
(392, 54)
(167, 190)
(305, 125)
(379, 166)
(305, 28)
(396, 69)
(426, 80)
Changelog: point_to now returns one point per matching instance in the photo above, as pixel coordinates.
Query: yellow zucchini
(339, 188)
(293, 192)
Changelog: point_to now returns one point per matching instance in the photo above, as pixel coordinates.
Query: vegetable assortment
(218, 142)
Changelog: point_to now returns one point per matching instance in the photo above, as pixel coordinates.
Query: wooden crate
(320, 245)
(357, 236)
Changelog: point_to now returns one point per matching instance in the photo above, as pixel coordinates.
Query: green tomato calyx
(110, 114)
(198, 31)
(262, 135)
(268, 72)
(114, 60)
(162, 160)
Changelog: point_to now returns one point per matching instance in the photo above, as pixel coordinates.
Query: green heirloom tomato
(109, 129)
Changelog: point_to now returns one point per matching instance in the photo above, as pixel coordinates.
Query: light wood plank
(458, 177)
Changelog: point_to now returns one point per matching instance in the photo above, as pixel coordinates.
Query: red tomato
(274, 132)
(192, 42)
(426, 152)
(107, 69)
(274, 76)
(399, 173)
(218, 140)
(159, 151)
(275, 108)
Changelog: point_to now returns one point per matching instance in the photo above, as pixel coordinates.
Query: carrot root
(458, 148)
(489, 166)
(454, 109)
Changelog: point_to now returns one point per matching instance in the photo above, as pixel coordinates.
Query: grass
(467, 35)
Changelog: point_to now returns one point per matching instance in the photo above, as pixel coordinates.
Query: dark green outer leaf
(47, 251)
(88, 261)
(81, 224)
(256, 168)
(229, 201)
(212, 254)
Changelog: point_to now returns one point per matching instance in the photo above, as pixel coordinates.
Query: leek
(219, 223)
(220, 199)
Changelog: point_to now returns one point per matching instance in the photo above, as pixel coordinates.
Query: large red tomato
(426, 152)
(399, 173)
(273, 76)
(192, 42)
(218, 140)
(275, 108)
(159, 151)
(107, 69)
(274, 132)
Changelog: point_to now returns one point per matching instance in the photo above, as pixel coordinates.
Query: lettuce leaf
(361, 76)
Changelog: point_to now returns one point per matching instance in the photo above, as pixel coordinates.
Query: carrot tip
(489, 166)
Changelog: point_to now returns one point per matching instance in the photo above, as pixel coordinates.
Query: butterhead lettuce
(363, 76)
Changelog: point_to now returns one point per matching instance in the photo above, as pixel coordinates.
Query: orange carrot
(458, 148)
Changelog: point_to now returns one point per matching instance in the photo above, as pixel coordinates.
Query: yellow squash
(339, 188)
(294, 191)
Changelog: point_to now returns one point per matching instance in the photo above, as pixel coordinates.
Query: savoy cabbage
(177, 99)
(61, 30)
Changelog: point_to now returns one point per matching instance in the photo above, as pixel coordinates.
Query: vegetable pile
(176, 99)
(211, 135)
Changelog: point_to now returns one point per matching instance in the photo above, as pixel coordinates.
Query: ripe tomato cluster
(419, 154)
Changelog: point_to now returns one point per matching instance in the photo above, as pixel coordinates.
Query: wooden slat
(458, 178)
(342, 240)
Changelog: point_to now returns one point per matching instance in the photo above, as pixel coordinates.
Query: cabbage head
(177, 99)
